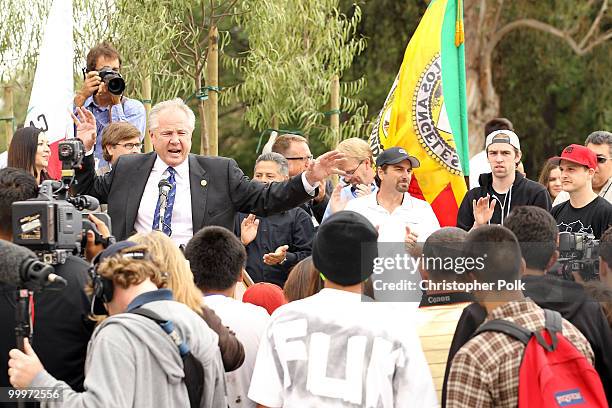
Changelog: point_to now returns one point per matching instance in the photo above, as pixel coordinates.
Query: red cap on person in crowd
(578, 154)
(264, 294)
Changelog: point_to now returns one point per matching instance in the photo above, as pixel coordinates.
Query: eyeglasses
(130, 146)
(603, 159)
(351, 172)
(309, 157)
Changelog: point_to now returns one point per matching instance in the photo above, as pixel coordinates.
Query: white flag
(53, 89)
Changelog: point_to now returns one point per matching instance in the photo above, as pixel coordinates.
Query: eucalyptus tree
(295, 48)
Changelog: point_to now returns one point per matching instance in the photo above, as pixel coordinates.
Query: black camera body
(113, 80)
(51, 224)
(579, 252)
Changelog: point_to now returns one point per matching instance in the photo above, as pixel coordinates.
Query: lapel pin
(203, 183)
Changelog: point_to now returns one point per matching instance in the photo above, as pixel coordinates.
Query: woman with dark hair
(29, 150)
(550, 177)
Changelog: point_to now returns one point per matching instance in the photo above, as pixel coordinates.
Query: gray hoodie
(132, 362)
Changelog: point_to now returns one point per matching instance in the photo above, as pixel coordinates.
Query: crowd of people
(225, 291)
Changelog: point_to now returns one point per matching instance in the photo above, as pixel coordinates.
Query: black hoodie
(522, 192)
(547, 292)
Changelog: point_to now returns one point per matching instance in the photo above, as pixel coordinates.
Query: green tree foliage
(553, 96)
(294, 49)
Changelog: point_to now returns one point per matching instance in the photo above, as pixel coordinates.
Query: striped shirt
(485, 371)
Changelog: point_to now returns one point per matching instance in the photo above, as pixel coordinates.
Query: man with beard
(503, 189)
(397, 215)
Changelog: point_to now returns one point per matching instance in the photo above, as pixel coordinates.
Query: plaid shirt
(485, 371)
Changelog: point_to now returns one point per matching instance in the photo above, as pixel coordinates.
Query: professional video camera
(113, 80)
(51, 224)
(578, 252)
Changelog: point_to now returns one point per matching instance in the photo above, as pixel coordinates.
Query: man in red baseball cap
(585, 211)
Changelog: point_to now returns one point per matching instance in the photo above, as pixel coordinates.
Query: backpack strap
(192, 367)
(504, 326)
(553, 324)
(167, 326)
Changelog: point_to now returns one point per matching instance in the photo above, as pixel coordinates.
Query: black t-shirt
(594, 218)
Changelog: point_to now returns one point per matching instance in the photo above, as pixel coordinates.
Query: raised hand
(482, 210)
(362, 190)
(85, 127)
(336, 202)
(248, 229)
(91, 84)
(324, 166)
(410, 239)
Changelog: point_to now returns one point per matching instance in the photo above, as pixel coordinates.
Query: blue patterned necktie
(167, 221)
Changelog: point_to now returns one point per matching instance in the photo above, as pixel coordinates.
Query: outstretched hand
(85, 127)
(324, 166)
(483, 210)
(248, 229)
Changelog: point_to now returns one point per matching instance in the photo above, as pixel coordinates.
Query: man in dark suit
(215, 187)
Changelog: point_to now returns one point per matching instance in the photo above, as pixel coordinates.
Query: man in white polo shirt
(397, 215)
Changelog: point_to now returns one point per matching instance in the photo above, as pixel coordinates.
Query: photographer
(61, 326)
(106, 102)
(585, 211)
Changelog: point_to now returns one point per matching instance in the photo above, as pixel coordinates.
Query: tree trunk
(9, 113)
(202, 111)
(212, 80)
(482, 99)
(334, 105)
(146, 96)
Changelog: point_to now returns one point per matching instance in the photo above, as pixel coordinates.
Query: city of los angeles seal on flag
(426, 112)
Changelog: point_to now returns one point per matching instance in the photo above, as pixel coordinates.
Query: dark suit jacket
(219, 189)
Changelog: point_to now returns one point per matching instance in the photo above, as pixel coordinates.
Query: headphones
(103, 288)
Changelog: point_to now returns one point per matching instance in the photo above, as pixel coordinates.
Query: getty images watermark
(398, 275)
(457, 265)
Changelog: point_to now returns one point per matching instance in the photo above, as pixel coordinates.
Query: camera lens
(116, 85)
(65, 150)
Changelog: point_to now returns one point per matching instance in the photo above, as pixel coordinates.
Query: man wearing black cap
(397, 215)
(133, 360)
(333, 349)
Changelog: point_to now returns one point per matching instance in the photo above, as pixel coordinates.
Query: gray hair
(283, 164)
(599, 137)
(177, 104)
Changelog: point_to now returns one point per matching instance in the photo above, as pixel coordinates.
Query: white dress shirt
(182, 225)
(414, 213)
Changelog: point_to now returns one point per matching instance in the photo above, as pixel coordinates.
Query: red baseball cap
(578, 154)
(264, 294)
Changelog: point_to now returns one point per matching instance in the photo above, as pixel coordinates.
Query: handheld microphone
(164, 187)
(21, 268)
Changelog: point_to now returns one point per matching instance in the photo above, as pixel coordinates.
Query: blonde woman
(180, 281)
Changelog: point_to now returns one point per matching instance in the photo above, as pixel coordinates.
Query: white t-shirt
(479, 164)
(333, 350)
(414, 213)
(249, 323)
